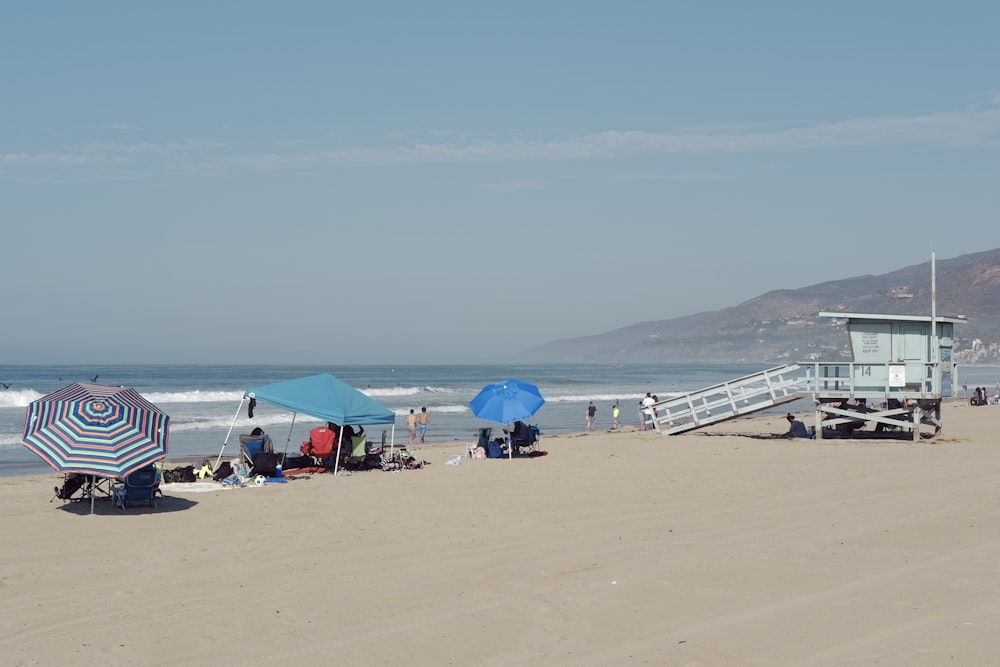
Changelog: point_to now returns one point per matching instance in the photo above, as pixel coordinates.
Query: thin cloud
(53, 159)
(977, 126)
(944, 129)
(162, 148)
(669, 178)
(513, 186)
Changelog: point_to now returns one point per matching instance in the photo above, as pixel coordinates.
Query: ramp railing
(728, 400)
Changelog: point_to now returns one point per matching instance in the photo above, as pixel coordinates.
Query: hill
(783, 325)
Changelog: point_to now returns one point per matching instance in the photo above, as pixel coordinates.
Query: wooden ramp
(728, 400)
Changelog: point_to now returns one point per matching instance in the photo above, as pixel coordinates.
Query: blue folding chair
(139, 486)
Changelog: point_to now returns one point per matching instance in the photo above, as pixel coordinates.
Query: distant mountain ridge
(783, 325)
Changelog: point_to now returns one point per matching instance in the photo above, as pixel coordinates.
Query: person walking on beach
(614, 417)
(423, 419)
(647, 411)
(591, 416)
(411, 426)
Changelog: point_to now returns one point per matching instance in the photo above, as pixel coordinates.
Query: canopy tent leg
(231, 427)
(340, 440)
(288, 440)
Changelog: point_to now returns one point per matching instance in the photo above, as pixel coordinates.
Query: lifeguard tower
(900, 370)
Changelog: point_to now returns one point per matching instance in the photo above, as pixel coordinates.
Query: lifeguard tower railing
(851, 380)
(892, 395)
(898, 395)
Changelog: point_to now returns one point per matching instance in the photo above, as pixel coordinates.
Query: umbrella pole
(231, 426)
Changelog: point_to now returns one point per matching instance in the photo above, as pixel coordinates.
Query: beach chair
(356, 458)
(73, 487)
(483, 436)
(140, 486)
(321, 445)
(524, 438)
(257, 451)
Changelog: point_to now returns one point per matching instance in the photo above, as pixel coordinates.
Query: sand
(708, 548)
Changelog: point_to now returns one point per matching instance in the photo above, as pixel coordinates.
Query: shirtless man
(411, 426)
(423, 419)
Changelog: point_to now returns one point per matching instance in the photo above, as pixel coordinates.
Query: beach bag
(480, 453)
(494, 450)
(179, 474)
(224, 471)
(266, 464)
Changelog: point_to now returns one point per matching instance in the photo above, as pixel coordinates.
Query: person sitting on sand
(796, 429)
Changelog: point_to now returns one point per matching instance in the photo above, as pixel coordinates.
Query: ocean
(204, 400)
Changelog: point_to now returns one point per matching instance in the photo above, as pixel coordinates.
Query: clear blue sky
(409, 182)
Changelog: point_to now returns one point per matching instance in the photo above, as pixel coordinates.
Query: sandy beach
(707, 548)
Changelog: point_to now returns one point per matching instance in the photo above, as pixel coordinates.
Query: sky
(453, 182)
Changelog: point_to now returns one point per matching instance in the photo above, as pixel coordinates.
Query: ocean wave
(241, 425)
(10, 440)
(436, 408)
(195, 396)
(403, 391)
(578, 398)
(10, 398)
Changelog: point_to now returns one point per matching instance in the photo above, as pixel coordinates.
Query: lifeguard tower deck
(900, 370)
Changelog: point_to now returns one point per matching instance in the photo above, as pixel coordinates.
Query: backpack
(224, 471)
(179, 474)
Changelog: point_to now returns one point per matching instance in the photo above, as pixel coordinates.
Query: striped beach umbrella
(96, 430)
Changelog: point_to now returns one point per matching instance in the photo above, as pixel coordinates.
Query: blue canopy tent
(323, 397)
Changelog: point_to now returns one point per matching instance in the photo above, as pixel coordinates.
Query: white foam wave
(583, 398)
(242, 423)
(10, 440)
(403, 391)
(10, 398)
(195, 396)
(436, 408)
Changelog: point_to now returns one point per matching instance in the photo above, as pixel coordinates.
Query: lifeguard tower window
(915, 343)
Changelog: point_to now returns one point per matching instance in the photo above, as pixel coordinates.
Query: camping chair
(524, 438)
(252, 446)
(73, 487)
(356, 457)
(321, 445)
(483, 436)
(139, 486)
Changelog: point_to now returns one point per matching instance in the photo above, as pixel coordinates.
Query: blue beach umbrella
(508, 401)
(96, 430)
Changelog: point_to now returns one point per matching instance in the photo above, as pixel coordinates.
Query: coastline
(625, 547)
